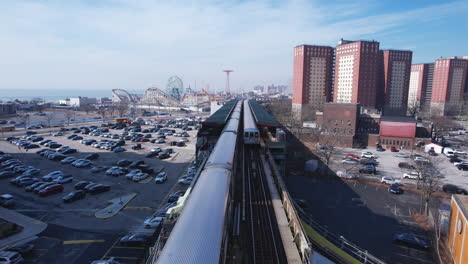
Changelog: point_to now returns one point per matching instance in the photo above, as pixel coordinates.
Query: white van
(449, 152)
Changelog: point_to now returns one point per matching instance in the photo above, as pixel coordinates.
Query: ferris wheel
(174, 87)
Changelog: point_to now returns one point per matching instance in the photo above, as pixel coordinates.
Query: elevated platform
(220, 117)
(262, 117)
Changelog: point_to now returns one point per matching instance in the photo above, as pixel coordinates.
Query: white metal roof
(197, 235)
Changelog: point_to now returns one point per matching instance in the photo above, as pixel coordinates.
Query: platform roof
(220, 117)
(262, 117)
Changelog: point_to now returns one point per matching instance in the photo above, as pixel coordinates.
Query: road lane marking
(105, 255)
(73, 242)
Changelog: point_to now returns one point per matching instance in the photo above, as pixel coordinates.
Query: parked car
(99, 189)
(175, 196)
(367, 154)
(402, 155)
(410, 240)
(411, 175)
(349, 161)
(73, 196)
(161, 177)
(63, 179)
(154, 222)
(42, 186)
(31, 187)
(96, 169)
(10, 257)
(393, 149)
(404, 165)
(136, 146)
(52, 175)
(368, 169)
(353, 156)
(137, 239)
(52, 189)
(7, 200)
(462, 166)
(118, 149)
(451, 188)
(124, 163)
(58, 134)
(82, 184)
(92, 156)
(185, 180)
(68, 160)
(395, 189)
(26, 182)
(6, 174)
(389, 180)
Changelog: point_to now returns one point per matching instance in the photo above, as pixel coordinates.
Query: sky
(135, 44)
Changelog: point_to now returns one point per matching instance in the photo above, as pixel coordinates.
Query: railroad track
(266, 245)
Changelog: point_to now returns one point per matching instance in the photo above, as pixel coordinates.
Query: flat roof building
(396, 78)
(420, 86)
(448, 86)
(312, 79)
(356, 68)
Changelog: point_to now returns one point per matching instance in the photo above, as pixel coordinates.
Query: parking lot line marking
(123, 257)
(72, 242)
(115, 242)
(420, 259)
(131, 247)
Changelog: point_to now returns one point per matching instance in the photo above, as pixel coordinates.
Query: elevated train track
(260, 227)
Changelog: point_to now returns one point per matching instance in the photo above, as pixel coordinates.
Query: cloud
(135, 44)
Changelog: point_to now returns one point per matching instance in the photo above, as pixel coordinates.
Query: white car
(343, 174)
(63, 179)
(389, 180)
(460, 153)
(349, 161)
(411, 175)
(185, 180)
(140, 176)
(161, 177)
(422, 159)
(367, 154)
(402, 155)
(58, 134)
(154, 222)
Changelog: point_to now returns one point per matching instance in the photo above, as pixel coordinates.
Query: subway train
(200, 235)
(251, 133)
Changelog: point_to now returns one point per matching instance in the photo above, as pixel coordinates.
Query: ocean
(51, 94)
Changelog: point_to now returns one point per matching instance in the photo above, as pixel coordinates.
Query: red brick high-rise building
(356, 69)
(396, 78)
(420, 86)
(312, 79)
(448, 86)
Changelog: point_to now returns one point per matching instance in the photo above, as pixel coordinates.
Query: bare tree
(87, 108)
(111, 109)
(24, 119)
(50, 116)
(442, 124)
(103, 112)
(414, 108)
(69, 113)
(122, 108)
(325, 152)
(428, 180)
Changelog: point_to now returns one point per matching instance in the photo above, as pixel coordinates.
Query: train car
(251, 133)
(199, 235)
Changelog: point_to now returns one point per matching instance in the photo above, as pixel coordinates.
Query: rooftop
(462, 201)
(262, 117)
(398, 119)
(220, 117)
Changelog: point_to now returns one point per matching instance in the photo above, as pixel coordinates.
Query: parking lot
(74, 234)
(366, 215)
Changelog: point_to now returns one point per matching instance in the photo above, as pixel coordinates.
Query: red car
(393, 149)
(353, 156)
(53, 189)
(143, 140)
